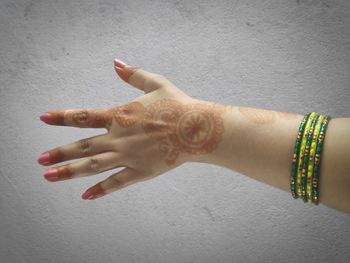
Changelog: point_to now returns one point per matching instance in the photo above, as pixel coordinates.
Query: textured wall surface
(274, 54)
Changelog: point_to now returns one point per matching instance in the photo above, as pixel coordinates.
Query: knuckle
(160, 78)
(85, 146)
(156, 80)
(94, 165)
(116, 182)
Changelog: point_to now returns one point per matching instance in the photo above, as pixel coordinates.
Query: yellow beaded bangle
(302, 150)
(312, 158)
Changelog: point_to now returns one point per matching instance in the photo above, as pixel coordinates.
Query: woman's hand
(150, 135)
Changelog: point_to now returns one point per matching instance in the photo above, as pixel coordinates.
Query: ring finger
(89, 166)
(79, 149)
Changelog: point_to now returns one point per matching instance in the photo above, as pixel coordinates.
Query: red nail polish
(87, 195)
(45, 117)
(44, 159)
(119, 63)
(51, 175)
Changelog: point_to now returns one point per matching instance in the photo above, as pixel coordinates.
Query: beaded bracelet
(302, 152)
(305, 161)
(315, 176)
(311, 163)
(296, 156)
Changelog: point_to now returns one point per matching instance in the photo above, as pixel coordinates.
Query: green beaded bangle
(301, 153)
(293, 174)
(315, 176)
(305, 162)
(310, 169)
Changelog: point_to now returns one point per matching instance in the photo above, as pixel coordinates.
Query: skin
(165, 128)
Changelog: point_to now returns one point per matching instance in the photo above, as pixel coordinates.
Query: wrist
(209, 132)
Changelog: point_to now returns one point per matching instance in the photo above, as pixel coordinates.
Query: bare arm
(259, 143)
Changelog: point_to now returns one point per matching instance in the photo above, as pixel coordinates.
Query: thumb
(139, 78)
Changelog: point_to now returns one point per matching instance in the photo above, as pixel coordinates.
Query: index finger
(82, 118)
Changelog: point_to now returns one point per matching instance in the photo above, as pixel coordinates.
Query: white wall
(275, 54)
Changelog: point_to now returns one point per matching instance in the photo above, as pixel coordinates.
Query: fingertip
(45, 117)
(124, 73)
(44, 159)
(119, 63)
(93, 192)
(87, 195)
(53, 118)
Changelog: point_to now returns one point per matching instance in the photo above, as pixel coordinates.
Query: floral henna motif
(195, 128)
(170, 160)
(85, 147)
(192, 128)
(160, 118)
(164, 146)
(199, 129)
(127, 115)
(90, 118)
(80, 117)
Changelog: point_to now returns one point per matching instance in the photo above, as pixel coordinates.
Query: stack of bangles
(306, 163)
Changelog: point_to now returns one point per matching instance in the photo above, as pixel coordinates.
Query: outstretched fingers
(82, 118)
(114, 182)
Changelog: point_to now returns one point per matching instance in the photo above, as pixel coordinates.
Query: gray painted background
(282, 55)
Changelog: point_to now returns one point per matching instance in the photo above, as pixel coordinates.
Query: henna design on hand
(80, 117)
(172, 156)
(85, 147)
(199, 129)
(127, 115)
(161, 117)
(195, 128)
(90, 118)
(56, 156)
(94, 165)
(64, 172)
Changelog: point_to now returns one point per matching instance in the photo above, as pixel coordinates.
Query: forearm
(259, 143)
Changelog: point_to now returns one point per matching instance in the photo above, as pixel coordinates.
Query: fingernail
(87, 195)
(125, 72)
(119, 63)
(51, 175)
(45, 117)
(44, 159)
